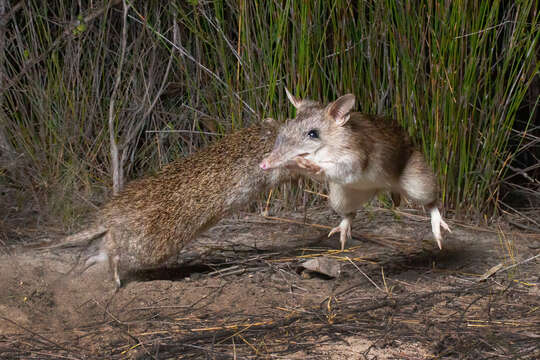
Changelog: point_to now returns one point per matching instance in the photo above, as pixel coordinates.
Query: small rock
(323, 265)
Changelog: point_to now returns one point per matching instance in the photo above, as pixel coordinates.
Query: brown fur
(376, 148)
(153, 218)
(384, 148)
(379, 141)
(359, 155)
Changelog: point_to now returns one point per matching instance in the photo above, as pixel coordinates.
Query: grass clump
(459, 75)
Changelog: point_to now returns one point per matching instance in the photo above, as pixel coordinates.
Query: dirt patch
(238, 292)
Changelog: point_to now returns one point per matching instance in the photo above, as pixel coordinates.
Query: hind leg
(418, 183)
(113, 257)
(436, 223)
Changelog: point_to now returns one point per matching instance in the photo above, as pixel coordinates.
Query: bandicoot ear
(339, 110)
(293, 99)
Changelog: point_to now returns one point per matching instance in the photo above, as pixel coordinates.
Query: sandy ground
(240, 292)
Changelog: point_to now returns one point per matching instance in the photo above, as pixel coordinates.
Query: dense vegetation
(160, 79)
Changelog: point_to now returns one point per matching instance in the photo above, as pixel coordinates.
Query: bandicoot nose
(264, 165)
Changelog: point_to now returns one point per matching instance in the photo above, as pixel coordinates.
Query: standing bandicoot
(359, 156)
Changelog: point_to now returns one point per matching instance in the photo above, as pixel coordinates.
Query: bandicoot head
(315, 127)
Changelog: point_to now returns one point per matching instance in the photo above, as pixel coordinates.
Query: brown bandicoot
(359, 156)
(153, 218)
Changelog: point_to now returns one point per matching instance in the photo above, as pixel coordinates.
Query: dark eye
(313, 134)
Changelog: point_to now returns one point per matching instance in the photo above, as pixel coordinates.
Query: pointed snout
(269, 162)
(265, 164)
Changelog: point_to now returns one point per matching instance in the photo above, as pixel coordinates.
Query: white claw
(445, 226)
(344, 228)
(436, 223)
(334, 230)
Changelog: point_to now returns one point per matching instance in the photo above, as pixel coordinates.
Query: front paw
(305, 165)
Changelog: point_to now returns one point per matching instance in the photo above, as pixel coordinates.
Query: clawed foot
(436, 223)
(344, 228)
(306, 165)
